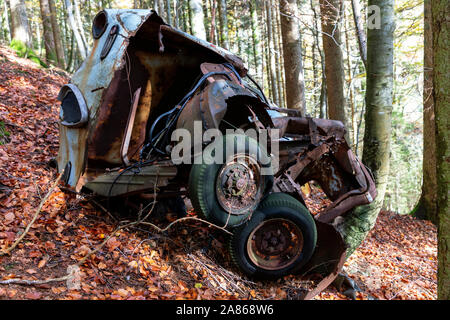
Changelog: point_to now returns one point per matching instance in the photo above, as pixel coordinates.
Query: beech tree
(19, 22)
(292, 50)
(331, 14)
(49, 42)
(440, 12)
(377, 134)
(198, 18)
(427, 207)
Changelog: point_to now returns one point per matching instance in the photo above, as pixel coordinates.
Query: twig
(92, 251)
(184, 219)
(38, 210)
(33, 282)
(103, 209)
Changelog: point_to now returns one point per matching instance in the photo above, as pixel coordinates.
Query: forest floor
(398, 260)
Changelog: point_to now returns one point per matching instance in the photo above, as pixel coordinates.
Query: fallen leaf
(33, 295)
(42, 263)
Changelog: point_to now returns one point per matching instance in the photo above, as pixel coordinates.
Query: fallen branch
(184, 219)
(38, 210)
(33, 282)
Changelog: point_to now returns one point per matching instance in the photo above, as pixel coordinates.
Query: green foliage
(405, 181)
(4, 134)
(24, 52)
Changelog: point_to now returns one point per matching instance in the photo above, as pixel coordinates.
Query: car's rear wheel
(278, 240)
(227, 189)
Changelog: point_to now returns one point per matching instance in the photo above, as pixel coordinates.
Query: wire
(153, 141)
(259, 88)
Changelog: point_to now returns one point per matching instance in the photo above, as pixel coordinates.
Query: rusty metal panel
(93, 76)
(132, 181)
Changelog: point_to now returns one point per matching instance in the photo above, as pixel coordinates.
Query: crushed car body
(145, 79)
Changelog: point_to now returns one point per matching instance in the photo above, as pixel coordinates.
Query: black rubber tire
(202, 181)
(276, 205)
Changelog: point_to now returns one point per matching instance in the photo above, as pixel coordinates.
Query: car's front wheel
(227, 189)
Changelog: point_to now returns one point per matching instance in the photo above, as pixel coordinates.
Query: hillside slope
(189, 261)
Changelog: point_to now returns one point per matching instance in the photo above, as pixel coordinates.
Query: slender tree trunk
(176, 16)
(223, 21)
(350, 86)
(19, 22)
(49, 42)
(380, 44)
(359, 31)
(315, 78)
(168, 12)
(79, 23)
(293, 66)
(73, 25)
(334, 68)
(253, 25)
(276, 54)
(280, 60)
(198, 19)
(7, 21)
(427, 205)
(56, 35)
(271, 58)
(212, 32)
(159, 7)
(440, 12)
(262, 48)
(323, 88)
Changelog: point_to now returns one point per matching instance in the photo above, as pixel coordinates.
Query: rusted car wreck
(143, 80)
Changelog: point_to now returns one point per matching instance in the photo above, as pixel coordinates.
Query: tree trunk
(334, 66)
(351, 121)
(212, 31)
(56, 35)
(276, 53)
(19, 22)
(73, 25)
(49, 42)
(323, 87)
(79, 23)
(359, 31)
(271, 58)
(280, 59)
(427, 207)
(159, 8)
(223, 22)
(253, 24)
(440, 12)
(168, 12)
(198, 19)
(377, 134)
(292, 52)
(7, 21)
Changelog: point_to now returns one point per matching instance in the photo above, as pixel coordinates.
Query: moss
(25, 52)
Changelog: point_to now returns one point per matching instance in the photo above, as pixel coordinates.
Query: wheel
(232, 177)
(278, 240)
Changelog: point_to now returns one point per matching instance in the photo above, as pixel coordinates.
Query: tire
(277, 212)
(206, 188)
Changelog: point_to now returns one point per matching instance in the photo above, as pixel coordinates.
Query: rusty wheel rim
(239, 185)
(275, 244)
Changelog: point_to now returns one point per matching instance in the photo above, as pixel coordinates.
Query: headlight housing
(74, 112)
(99, 24)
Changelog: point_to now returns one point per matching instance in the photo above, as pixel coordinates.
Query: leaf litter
(398, 260)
